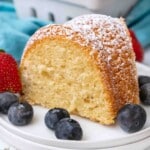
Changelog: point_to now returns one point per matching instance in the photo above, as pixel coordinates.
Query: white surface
(36, 136)
(62, 10)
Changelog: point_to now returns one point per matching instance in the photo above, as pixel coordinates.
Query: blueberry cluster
(58, 119)
(19, 113)
(132, 117)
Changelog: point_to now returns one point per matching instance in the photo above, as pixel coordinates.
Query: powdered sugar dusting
(97, 31)
(100, 31)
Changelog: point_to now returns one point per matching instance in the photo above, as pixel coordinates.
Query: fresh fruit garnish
(143, 80)
(6, 100)
(54, 115)
(9, 74)
(145, 94)
(137, 47)
(20, 113)
(68, 129)
(131, 118)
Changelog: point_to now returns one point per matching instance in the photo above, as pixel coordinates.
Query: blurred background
(19, 19)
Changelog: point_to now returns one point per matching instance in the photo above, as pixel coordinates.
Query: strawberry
(9, 74)
(136, 47)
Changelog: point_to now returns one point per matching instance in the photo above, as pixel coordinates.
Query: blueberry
(68, 129)
(145, 94)
(143, 80)
(6, 100)
(20, 113)
(131, 118)
(54, 115)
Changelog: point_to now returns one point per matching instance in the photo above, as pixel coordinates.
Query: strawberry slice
(9, 74)
(137, 47)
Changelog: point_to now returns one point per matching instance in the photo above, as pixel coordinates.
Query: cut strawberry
(9, 74)
(137, 47)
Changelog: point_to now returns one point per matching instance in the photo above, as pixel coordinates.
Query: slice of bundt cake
(86, 66)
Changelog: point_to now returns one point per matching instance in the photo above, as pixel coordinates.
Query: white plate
(94, 135)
